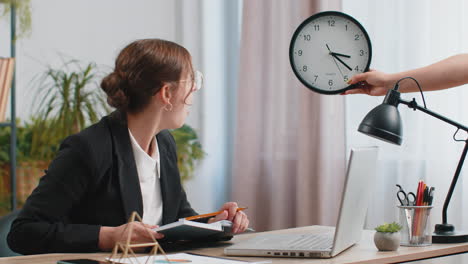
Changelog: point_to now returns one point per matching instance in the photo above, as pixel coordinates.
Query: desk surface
(363, 252)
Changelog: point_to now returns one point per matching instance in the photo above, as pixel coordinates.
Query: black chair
(5, 225)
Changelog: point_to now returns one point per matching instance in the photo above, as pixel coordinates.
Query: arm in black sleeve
(43, 225)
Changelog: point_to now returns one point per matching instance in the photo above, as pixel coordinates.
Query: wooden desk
(363, 252)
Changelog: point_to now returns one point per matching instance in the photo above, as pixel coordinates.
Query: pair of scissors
(406, 199)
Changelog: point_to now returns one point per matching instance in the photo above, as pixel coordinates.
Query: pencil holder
(416, 231)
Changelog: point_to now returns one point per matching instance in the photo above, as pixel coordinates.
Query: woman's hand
(373, 83)
(109, 236)
(239, 220)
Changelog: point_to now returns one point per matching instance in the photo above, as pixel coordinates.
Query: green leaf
(189, 151)
(389, 228)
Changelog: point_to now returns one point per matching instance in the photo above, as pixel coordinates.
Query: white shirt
(149, 176)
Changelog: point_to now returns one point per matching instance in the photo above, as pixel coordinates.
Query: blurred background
(270, 143)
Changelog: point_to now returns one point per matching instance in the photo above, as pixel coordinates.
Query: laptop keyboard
(315, 241)
(287, 242)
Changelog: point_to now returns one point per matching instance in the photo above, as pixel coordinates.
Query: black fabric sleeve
(43, 225)
(185, 209)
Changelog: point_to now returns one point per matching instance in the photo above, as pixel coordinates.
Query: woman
(117, 166)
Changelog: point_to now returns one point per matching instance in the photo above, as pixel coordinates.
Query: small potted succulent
(387, 237)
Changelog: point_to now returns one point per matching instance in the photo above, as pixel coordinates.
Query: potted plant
(69, 100)
(387, 236)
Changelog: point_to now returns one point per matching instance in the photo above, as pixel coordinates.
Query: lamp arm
(412, 104)
(444, 227)
(454, 182)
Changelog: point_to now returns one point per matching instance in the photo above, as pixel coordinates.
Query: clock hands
(335, 56)
(335, 62)
(342, 62)
(339, 54)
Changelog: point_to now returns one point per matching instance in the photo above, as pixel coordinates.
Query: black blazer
(93, 182)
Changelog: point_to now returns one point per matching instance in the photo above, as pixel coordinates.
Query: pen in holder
(416, 231)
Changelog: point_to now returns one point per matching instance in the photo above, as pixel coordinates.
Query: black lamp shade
(384, 123)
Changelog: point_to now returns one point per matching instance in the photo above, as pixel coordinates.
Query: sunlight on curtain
(406, 35)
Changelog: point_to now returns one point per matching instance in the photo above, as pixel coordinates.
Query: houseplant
(387, 236)
(69, 99)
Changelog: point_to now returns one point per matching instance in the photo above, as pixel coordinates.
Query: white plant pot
(387, 241)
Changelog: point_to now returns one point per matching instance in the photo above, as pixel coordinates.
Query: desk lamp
(384, 123)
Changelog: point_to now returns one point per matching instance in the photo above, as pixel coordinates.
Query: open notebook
(191, 230)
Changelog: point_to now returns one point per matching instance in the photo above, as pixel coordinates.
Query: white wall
(96, 31)
(86, 30)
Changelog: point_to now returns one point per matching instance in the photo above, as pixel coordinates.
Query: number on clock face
(327, 50)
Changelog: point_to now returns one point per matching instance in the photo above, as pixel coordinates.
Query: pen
(426, 195)
(211, 214)
(419, 201)
(431, 195)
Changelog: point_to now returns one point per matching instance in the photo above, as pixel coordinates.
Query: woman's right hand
(373, 83)
(109, 236)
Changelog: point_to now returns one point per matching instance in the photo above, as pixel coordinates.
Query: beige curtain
(289, 160)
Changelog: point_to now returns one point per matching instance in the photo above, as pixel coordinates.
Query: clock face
(327, 49)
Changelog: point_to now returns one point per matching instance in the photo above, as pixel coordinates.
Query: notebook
(192, 230)
(356, 194)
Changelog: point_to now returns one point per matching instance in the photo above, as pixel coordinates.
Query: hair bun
(114, 86)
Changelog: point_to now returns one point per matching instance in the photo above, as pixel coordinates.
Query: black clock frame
(305, 23)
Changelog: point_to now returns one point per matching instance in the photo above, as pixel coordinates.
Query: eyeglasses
(197, 81)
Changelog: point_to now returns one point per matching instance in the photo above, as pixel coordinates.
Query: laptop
(357, 192)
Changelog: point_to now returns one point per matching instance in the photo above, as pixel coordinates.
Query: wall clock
(327, 49)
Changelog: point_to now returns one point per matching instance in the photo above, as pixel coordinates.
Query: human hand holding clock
(327, 50)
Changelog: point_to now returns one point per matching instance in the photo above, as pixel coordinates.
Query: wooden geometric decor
(125, 246)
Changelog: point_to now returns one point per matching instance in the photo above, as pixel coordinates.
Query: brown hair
(141, 69)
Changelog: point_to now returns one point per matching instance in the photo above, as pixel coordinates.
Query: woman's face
(183, 99)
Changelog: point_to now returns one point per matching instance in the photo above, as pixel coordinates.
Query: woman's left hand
(239, 219)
